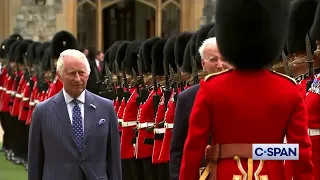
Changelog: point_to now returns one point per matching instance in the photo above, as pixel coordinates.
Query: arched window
(87, 24)
(170, 18)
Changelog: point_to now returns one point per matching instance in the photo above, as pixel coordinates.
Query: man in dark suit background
(96, 66)
(74, 135)
(212, 62)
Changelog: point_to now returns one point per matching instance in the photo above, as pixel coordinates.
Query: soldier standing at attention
(249, 100)
(212, 62)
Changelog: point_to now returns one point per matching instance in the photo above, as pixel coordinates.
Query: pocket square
(101, 121)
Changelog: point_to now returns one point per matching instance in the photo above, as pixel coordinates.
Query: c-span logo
(275, 151)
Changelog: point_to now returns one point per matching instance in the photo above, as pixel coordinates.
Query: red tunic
(129, 123)
(3, 77)
(24, 104)
(18, 97)
(249, 105)
(158, 131)
(4, 106)
(169, 119)
(54, 88)
(303, 87)
(146, 116)
(313, 109)
(33, 98)
(3, 89)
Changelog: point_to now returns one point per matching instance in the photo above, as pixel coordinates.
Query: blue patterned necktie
(77, 123)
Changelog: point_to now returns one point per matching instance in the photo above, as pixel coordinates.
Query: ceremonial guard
(170, 69)
(313, 99)
(3, 75)
(217, 102)
(61, 41)
(7, 91)
(21, 129)
(301, 20)
(131, 166)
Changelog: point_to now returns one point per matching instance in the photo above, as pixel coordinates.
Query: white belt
(25, 99)
(18, 95)
(4, 89)
(8, 91)
(1, 88)
(120, 120)
(159, 130)
(144, 125)
(12, 93)
(168, 125)
(129, 123)
(31, 103)
(36, 101)
(314, 132)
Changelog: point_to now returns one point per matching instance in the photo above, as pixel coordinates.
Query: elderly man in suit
(74, 135)
(211, 63)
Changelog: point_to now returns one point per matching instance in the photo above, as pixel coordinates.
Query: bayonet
(180, 83)
(173, 82)
(140, 74)
(309, 61)
(124, 77)
(166, 76)
(286, 65)
(116, 67)
(194, 71)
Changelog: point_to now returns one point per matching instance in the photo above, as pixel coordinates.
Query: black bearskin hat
(3, 49)
(301, 19)
(212, 33)
(180, 45)
(31, 53)
(13, 50)
(157, 56)
(40, 50)
(186, 65)
(121, 53)
(130, 60)
(113, 53)
(202, 35)
(46, 59)
(146, 53)
(168, 52)
(61, 41)
(16, 36)
(251, 34)
(22, 51)
(315, 28)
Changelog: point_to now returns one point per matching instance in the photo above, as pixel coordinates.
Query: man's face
(74, 76)
(100, 57)
(86, 52)
(212, 61)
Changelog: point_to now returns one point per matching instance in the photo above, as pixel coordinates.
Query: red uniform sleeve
(198, 133)
(297, 132)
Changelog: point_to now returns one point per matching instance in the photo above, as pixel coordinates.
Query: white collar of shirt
(97, 62)
(68, 98)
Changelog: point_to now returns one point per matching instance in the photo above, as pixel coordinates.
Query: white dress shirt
(97, 63)
(70, 105)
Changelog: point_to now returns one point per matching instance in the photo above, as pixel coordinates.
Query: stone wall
(208, 12)
(37, 22)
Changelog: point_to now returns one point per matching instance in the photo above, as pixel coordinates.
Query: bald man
(212, 62)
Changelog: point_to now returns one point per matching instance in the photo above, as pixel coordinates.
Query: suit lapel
(89, 115)
(61, 111)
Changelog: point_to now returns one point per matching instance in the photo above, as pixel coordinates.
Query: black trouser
(6, 125)
(132, 169)
(19, 129)
(162, 171)
(150, 170)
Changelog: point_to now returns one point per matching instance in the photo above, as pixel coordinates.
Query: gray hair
(209, 41)
(75, 54)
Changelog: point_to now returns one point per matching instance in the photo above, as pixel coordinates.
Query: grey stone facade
(208, 12)
(37, 22)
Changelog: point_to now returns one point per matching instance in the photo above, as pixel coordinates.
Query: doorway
(131, 20)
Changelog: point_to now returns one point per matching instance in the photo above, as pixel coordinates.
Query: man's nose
(219, 64)
(77, 77)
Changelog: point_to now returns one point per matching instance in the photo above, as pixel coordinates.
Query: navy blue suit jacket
(180, 129)
(53, 153)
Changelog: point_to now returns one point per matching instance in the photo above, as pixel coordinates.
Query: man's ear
(202, 63)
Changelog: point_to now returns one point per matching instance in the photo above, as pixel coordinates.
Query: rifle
(106, 89)
(125, 83)
(136, 84)
(309, 61)
(144, 92)
(194, 71)
(174, 84)
(120, 91)
(180, 83)
(286, 65)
